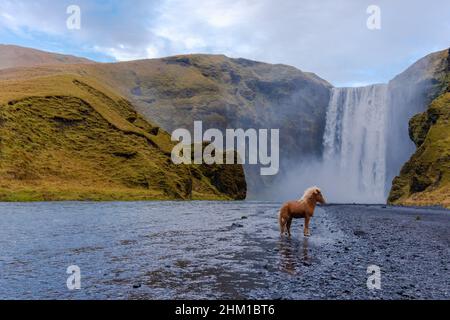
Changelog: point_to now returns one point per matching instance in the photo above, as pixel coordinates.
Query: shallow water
(184, 250)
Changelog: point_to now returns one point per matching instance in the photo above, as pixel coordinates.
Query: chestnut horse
(303, 208)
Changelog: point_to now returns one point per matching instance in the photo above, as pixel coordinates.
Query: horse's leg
(282, 222)
(306, 231)
(288, 224)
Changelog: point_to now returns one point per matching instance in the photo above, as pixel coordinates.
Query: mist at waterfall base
(353, 165)
(365, 143)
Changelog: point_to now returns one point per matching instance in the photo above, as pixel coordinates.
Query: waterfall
(355, 143)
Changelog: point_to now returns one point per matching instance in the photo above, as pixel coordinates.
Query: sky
(328, 37)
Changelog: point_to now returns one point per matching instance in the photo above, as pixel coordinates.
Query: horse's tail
(281, 221)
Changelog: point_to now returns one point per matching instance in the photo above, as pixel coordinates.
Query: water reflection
(293, 253)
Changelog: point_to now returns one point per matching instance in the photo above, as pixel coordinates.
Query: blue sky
(327, 37)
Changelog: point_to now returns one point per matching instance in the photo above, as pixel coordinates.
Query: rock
(228, 179)
(359, 233)
(423, 180)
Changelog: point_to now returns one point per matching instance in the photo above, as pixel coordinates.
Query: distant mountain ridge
(14, 56)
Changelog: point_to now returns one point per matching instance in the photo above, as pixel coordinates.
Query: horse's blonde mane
(308, 193)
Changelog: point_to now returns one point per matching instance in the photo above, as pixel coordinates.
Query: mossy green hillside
(425, 178)
(68, 137)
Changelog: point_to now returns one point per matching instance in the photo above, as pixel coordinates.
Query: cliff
(425, 178)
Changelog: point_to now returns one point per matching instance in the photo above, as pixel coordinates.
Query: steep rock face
(65, 137)
(425, 178)
(230, 93)
(409, 94)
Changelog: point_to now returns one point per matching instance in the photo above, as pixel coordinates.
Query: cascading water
(366, 137)
(355, 143)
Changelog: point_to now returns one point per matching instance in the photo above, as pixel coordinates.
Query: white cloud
(214, 26)
(152, 52)
(121, 53)
(222, 13)
(33, 15)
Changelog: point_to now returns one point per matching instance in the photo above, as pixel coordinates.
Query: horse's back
(295, 209)
(287, 206)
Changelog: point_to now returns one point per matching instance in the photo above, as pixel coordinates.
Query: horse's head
(319, 196)
(313, 194)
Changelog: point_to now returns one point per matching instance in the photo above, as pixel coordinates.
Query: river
(220, 250)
